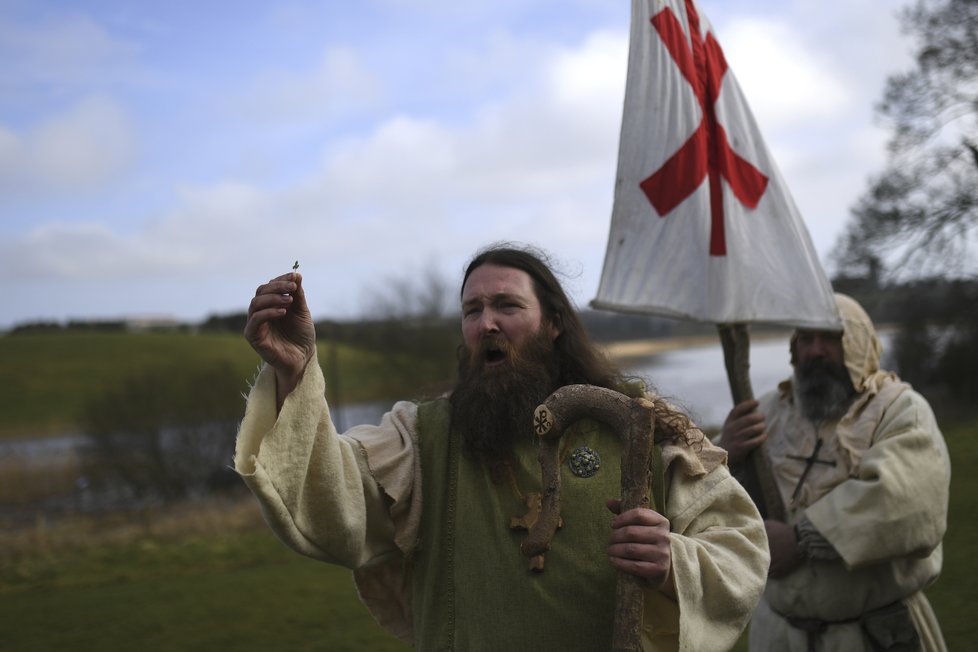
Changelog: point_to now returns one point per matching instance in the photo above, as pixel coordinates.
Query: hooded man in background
(863, 471)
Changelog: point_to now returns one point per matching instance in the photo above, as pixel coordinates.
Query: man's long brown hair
(579, 361)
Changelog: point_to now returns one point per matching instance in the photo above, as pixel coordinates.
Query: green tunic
(476, 591)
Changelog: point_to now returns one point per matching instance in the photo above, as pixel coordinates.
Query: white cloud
(69, 51)
(592, 74)
(786, 84)
(213, 228)
(69, 250)
(86, 146)
(527, 169)
(339, 84)
(403, 159)
(10, 154)
(530, 146)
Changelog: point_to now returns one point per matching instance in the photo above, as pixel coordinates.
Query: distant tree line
(383, 332)
(233, 322)
(98, 326)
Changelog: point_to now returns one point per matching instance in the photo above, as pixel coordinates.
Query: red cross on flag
(703, 226)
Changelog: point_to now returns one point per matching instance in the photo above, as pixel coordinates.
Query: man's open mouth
(495, 355)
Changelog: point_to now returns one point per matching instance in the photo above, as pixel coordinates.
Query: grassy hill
(48, 377)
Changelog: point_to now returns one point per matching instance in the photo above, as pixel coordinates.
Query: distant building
(150, 323)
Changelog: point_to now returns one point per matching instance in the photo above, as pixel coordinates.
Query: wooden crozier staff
(632, 419)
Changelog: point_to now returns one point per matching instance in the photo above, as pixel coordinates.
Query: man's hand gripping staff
(633, 420)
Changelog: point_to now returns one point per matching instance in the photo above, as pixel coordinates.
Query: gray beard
(822, 391)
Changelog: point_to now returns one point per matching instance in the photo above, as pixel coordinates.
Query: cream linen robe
(883, 506)
(355, 500)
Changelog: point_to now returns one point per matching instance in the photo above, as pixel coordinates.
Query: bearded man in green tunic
(426, 507)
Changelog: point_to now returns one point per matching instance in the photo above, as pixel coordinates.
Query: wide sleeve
(314, 485)
(896, 504)
(720, 560)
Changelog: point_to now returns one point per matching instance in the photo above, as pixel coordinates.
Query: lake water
(695, 378)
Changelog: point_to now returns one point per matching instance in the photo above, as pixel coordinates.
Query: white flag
(703, 226)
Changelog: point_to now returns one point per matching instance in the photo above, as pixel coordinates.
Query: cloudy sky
(165, 158)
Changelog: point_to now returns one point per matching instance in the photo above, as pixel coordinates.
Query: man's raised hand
(281, 330)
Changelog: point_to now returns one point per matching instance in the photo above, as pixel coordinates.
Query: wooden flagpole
(758, 479)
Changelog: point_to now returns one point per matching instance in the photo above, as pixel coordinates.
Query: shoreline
(631, 350)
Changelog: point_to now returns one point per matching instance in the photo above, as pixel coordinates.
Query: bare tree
(410, 322)
(920, 214)
(415, 297)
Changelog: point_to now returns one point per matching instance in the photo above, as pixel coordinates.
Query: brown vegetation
(233, 512)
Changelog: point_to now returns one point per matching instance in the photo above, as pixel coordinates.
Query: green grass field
(49, 377)
(243, 589)
(240, 591)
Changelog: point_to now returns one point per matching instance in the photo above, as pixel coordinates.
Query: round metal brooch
(584, 462)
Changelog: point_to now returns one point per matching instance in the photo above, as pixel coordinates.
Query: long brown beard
(492, 407)
(823, 390)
